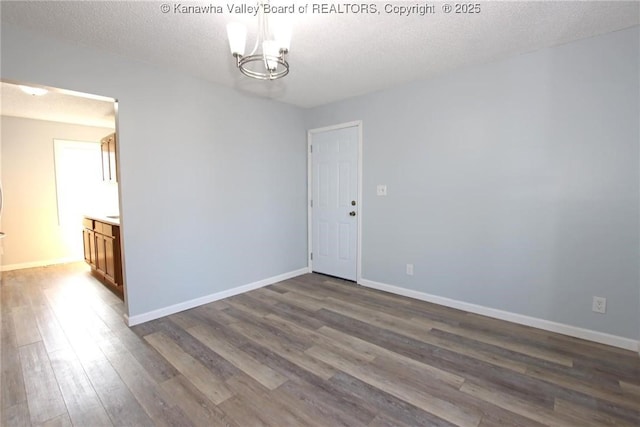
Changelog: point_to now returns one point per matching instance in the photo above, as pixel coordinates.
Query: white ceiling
(56, 106)
(333, 56)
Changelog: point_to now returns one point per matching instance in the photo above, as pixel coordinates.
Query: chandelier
(267, 60)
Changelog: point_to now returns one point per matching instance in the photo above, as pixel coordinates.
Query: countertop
(104, 218)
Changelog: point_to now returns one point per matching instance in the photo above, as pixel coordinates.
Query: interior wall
(512, 185)
(212, 182)
(1, 209)
(30, 214)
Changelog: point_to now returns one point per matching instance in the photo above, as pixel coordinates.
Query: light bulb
(237, 34)
(271, 51)
(282, 34)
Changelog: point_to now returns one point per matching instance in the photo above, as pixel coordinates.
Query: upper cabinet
(108, 148)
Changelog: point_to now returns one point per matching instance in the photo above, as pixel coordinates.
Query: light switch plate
(382, 190)
(409, 269)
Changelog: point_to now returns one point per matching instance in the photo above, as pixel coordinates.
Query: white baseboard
(547, 325)
(186, 305)
(34, 264)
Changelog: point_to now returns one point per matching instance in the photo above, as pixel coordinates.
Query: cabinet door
(108, 151)
(110, 267)
(88, 237)
(112, 159)
(101, 258)
(104, 151)
(87, 245)
(92, 242)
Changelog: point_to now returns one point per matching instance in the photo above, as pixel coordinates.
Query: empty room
(290, 213)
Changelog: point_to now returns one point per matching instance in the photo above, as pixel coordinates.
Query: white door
(334, 198)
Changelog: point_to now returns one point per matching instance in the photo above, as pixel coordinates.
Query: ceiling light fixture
(267, 60)
(35, 91)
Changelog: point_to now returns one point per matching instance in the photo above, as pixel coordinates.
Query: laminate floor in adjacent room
(307, 351)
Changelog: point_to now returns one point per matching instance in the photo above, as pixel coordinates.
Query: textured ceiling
(333, 56)
(56, 106)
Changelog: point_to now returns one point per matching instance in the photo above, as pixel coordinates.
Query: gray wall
(512, 185)
(30, 216)
(213, 191)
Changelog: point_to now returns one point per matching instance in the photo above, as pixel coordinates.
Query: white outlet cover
(599, 305)
(381, 190)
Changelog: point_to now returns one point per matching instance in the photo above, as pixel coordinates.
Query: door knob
(352, 213)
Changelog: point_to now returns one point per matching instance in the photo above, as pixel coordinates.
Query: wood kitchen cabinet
(102, 253)
(89, 238)
(108, 151)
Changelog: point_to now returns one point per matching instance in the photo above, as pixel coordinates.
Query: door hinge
(311, 203)
(311, 148)
(311, 255)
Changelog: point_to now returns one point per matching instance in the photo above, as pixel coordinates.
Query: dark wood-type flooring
(307, 351)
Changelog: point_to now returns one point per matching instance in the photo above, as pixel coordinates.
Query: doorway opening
(52, 173)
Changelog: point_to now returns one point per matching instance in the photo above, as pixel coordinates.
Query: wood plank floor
(310, 351)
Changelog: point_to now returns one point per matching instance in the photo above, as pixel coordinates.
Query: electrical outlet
(599, 305)
(410, 269)
(381, 190)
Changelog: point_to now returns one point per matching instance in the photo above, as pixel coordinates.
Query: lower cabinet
(89, 238)
(102, 253)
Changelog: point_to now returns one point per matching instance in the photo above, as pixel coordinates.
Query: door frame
(310, 133)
